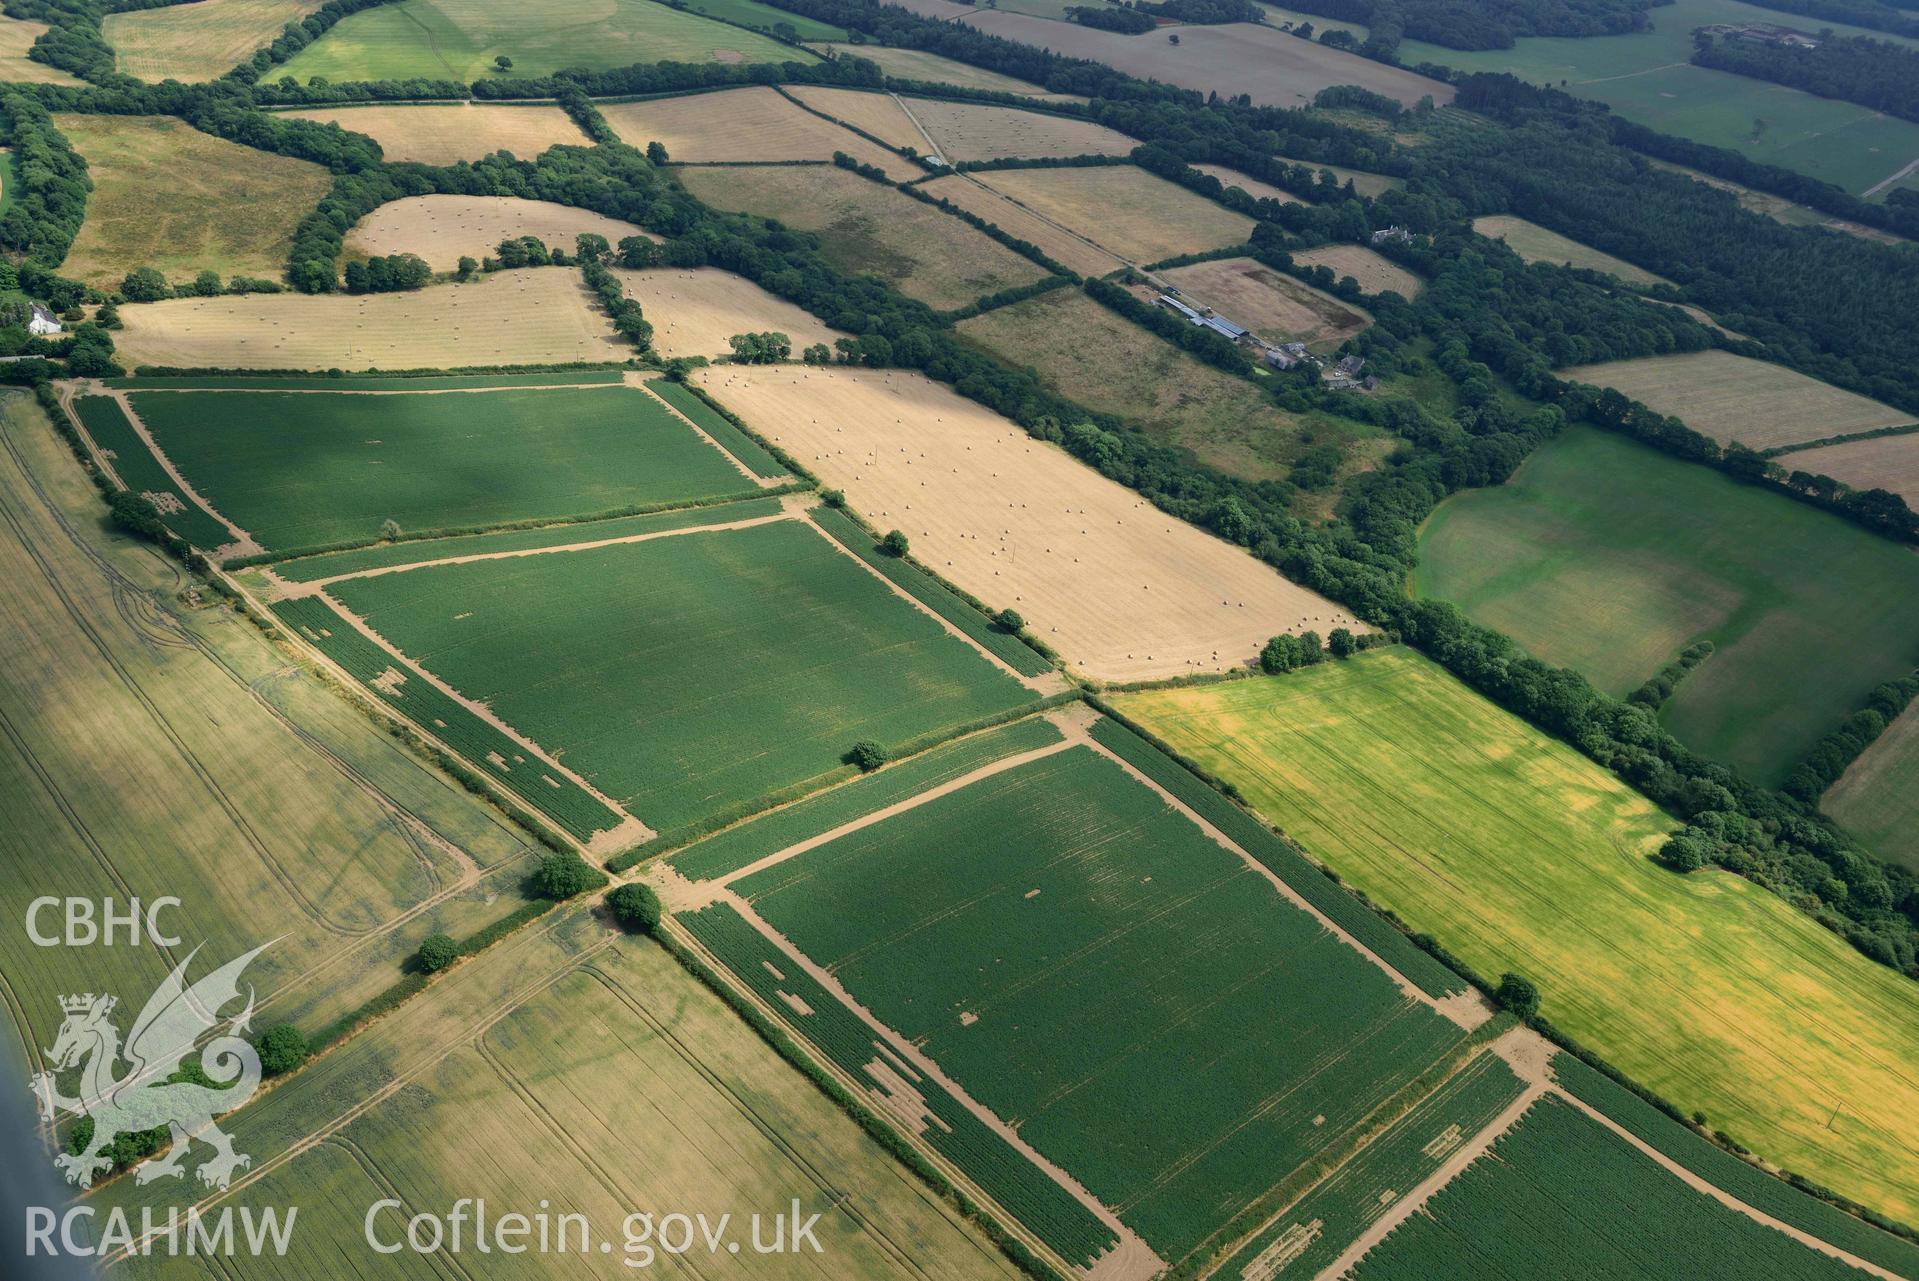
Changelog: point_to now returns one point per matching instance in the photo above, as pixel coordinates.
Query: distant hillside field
(1536, 244)
(1605, 556)
(1520, 854)
(199, 41)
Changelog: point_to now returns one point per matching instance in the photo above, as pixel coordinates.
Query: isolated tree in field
(1010, 621)
(467, 268)
(894, 544)
(1517, 993)
(1341, 644)
(108, 317)
(1281, 654)
(635, 906)
(866, 754)
(281, 1049)
(437, 951)
(145, 284)
(656, 152)
(503, 62)
(390, 529)
(562, 876)
(207, 284)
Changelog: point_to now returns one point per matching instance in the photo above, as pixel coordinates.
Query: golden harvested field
(166, 195)
(866, 229)
(1730, 398)
(441, 229)
(743, 125)
(443, 134)
(16, 37)
(975, 131)
(199, 41)
(1136, 215)
(1374, 272)
(877, 113)
(694, 311)
(1088, 354)
(1270, 303)
(536, 314)
(1536, 244)
(1251, 186)
(913, 64)
(1122, 590)
(1062, 246)
(1887, 462)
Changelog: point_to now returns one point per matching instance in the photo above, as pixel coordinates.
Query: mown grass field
(865, 229)
(308, 469)
(601, 1079)
(980, 131)
(696, 311)
(1137, 215)
(1070, 949)
(1644, 77)
(459, 39)
(1102, 360)
(156, 749)
(199, 41)
(1375, 273)
(166, 195)
(1886, 462)
(1560, 1195)
(1519, 854)
(17, 36)
(1734, 398)
(443, 133)
(916, 64)
(1605, 556)
(691, 675)
(443, 229)
(1536, 244)
(1877, 798)
(748, 124)
(751, 13)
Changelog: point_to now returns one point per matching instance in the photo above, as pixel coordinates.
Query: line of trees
(1831, 756)
(50, 198)
(1873, 73)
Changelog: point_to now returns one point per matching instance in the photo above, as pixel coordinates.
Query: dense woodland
(1872, 73)
(1897, 19)
(1480, 24)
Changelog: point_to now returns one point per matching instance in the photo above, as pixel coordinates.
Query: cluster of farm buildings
(1341, 375)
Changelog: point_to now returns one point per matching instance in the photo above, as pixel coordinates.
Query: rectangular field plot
(1137, 215)
(695, 310)
(1877, 798)
(976, 131)
(916, 64)
(119, 446)
(1375, 273)
(1122, 590)
(312, 469)
(1561, 1195)
(1885, 462)
(734, 125)
(441, 134)
(689, 675)
(1520, 854)
(1071, 250)
(1609, 557)
(1759, 404)
(443, 229)
(1074, 952)
(865, 229)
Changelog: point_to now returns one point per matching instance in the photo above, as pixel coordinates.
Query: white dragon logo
(174, 1018)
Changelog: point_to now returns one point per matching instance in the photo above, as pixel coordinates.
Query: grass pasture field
(1877, 798)
(1603, 555)
(166, 195)
(980, 131)
(917, 64)
(1885, 462)
(1056, 937)
(443, 134)
(459, 39)
(1102, 360)
(695, 310)
(1136, 215)
(1520, 854)
(533, 315)
(1727, 397)
(443, 229)
(1272, 304)
(661, 708)
(1071, 250)
(308, 469)
(199, 41)
(1536, 244)
(1251, 186)
(1375, 273)
(156, 748)
(752, 13)
(1123, 591)
(871, 111)
(866, 229)
(1561, 1186)
(734, 126)
(524, 1076)
(17, 36)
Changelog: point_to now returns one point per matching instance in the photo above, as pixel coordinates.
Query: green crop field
(1068, 947)
(1605, 556)
(1645, 77)
(1520, 854)
(1563, 1196)
(122, 449)
(732, 439)
(307, 470)
(1313, 1232)
(459, 40)
(1877, 798)
(692, 675)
